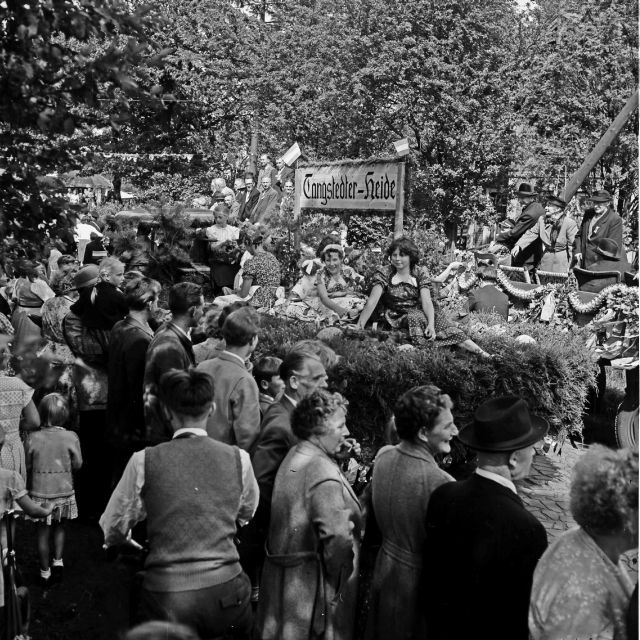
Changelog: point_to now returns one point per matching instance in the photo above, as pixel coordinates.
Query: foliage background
(489, 94)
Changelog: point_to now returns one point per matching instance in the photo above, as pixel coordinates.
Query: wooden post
(598, 151)
(398, 227)
(296, 208)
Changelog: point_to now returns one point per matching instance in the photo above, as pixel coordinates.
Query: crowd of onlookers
(232, 470)
(150, 412)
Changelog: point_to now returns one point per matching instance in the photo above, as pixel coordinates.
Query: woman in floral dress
(260, 273)
(405, 290)
(337, 284)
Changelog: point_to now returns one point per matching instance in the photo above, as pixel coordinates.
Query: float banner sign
(360, 186)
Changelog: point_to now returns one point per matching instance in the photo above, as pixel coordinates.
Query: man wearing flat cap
(482, 545)
(532, 211)
(557, 232)
(601, 222)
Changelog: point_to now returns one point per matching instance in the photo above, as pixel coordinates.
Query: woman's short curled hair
(407, 247)
(140, 291)
(604, 490)
(221, 207)
(311, 413)
(187, 392)
(418, 408)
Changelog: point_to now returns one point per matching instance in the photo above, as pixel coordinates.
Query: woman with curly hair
(337, 283)
(580, 590)
(310, 577)
(403, 479)
(405, 290)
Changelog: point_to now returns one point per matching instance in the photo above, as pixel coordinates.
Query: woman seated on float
(260, 272)
(336, 282)
(326, 291)
(405, 290)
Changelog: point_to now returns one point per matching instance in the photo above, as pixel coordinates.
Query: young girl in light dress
(52, 454)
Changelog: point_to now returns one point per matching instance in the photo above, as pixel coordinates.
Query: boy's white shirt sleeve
(125, 506)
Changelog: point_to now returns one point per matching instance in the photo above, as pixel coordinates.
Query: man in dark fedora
(599, 222)
(607, 252)
(482, 545)
(531, 213)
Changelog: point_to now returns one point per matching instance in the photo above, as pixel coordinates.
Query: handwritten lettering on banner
(371, 185)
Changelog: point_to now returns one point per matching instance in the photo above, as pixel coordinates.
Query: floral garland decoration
(527, 295)
(592, 306)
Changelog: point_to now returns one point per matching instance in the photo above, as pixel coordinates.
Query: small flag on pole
(292, 154)
(402, 147)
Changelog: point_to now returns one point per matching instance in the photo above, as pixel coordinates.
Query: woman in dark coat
(404, 477)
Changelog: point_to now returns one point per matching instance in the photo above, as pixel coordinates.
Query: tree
(59, 60)
(579, 67)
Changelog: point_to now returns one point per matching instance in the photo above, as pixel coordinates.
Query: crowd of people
(170, 428)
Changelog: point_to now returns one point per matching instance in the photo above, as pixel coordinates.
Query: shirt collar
(193, 430)
(180, 330)
(291, 400)
(144, 325)
(489, 475)
(236, 356)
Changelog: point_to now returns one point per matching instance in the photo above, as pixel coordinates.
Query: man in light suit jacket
(236, 417)
(482, 545)
(602, 222)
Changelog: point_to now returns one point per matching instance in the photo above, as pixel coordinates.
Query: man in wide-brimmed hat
(607, 252)
(601, 222)
(531, 213)
(482, 544)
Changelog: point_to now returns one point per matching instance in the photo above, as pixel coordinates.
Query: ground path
(545, 493)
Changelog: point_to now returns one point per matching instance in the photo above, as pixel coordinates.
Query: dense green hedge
(553, 375)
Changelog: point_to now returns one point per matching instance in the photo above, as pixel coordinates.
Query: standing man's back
(171, 348)
(194, 493)
(236, 418)
(482, 544)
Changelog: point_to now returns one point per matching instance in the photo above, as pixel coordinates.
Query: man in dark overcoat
(531, 213)
(482, 545)
(599, 222)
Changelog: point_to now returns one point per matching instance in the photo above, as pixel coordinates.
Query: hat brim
(606, 254)
(539, 428)
(524, 194)
(598, 200)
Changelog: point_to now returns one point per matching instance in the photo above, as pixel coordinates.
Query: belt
(288, 560)
(403, 556)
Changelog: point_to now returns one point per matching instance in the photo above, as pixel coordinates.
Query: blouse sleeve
(423, 278)
(249, 271)
(381, 277)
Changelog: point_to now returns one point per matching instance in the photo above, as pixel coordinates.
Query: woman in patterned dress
(336, 284)
(17, 410)
(405, 290)
(262, 270)
(260, 273)
(581, 588)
